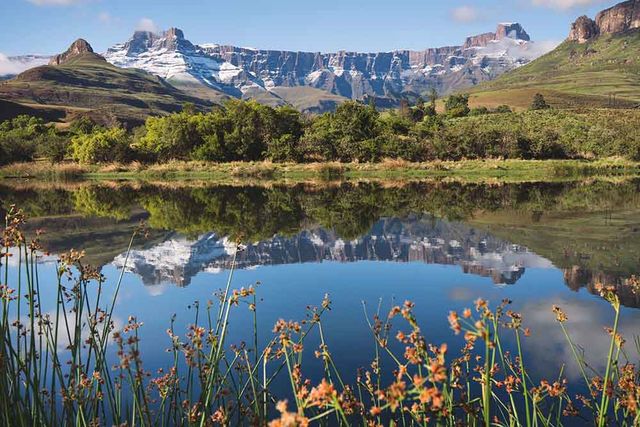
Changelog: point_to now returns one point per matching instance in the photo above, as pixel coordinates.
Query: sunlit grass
(507, 170)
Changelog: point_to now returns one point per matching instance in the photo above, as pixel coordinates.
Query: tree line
(354, 132)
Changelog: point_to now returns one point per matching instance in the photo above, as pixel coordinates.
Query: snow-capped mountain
(248, 72)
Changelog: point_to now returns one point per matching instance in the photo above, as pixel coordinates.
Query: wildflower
(481, 304)
(560, 315)
(431, 396)
(288, 419)
(375, 411)
(219, 416)
(323, 394)
(454, 322)
(326, 302)
(610, 294)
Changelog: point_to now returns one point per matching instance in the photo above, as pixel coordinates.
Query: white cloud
(529, 51)
(105, 17)
(465, 14)
(146, 24)
(54, 2)
(8, 67)
(547, 346)
(13, 66)
(564, 4)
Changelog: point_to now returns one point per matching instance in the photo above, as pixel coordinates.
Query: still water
(439, 244)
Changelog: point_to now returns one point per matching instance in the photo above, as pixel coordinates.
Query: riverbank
(506, 170)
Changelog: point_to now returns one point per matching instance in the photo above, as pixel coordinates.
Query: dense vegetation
(249, 131)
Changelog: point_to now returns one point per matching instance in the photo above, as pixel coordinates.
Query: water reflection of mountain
(578, 277)
(178, 259)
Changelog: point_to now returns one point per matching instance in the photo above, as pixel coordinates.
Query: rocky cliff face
(622, 17)
(77, 48)
(390, 76)
(583, 30)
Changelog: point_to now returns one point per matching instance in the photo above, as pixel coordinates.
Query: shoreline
(471, 170)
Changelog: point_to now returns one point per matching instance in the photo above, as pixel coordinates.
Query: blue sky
(49, 26)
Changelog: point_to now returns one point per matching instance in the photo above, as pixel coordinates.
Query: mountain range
(156, 73)
(270, 75)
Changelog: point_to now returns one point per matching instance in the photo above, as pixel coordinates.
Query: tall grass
(59, 367)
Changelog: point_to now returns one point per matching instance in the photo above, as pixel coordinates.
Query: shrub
(457, 106)
(539, 103)
(104, 145)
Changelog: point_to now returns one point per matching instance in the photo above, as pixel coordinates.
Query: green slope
(89, 85)
(573, 75)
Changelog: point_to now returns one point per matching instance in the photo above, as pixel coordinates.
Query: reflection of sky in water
(286, 290)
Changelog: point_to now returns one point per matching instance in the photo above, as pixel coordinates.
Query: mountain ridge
(387, 77)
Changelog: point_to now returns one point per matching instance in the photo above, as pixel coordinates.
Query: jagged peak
(174, 32)
(77, 48)
(511, 30)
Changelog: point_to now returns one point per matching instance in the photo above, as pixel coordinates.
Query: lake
(369, 246)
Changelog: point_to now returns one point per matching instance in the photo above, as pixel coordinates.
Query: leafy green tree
(249, 126)
(320, 139)
(284, 143)
(430, 109)
(18, 138)
(170, 137)
(101, 146)
(346, 135)
(53, 146)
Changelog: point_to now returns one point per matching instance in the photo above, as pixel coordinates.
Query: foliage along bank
(249, 131)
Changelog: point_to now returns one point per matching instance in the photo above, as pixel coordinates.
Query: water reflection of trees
(255, 213)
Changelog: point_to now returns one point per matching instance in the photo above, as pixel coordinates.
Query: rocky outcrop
(77, 48)
(583, 30)
(622, 17)
(479, 41)
(617, 19)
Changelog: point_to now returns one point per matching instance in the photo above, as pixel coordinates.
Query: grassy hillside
(104, 92)
(573, 75)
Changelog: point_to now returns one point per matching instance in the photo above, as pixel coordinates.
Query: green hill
(85, 84)
(573, 75)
